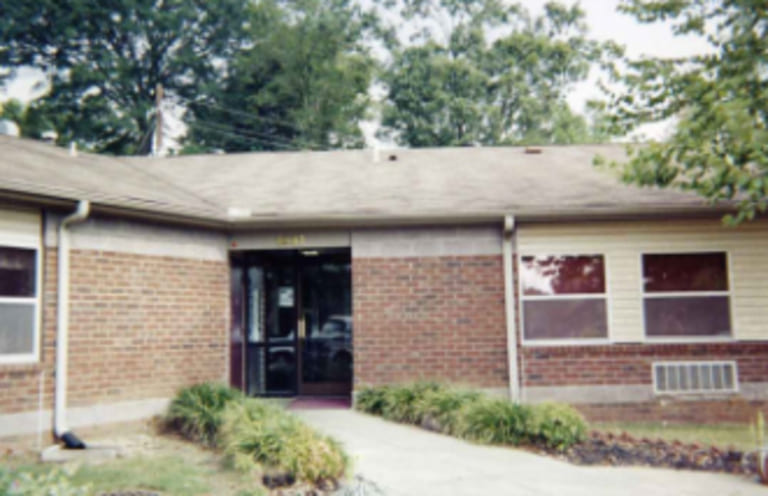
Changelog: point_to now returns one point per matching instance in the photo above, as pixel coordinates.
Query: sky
(605, 24)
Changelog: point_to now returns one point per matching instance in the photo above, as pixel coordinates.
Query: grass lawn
(721, 435)
(171, 475)
(171, 467)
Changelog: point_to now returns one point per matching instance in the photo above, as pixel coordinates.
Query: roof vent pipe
(62, 328)
(376, 154)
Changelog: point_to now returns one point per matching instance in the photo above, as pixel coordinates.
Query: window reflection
(563, 297)
(686, 294)
(685, 272)
(552, 275)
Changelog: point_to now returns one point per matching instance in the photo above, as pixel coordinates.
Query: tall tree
(719, 148)
(481, 72)
(302, 84)
(28, 118)
(104, 60)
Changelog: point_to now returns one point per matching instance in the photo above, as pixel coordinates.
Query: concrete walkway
(403, 460)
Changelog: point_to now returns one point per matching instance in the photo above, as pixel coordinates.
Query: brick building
(533, 275)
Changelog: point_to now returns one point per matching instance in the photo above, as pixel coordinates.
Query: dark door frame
(285, 257)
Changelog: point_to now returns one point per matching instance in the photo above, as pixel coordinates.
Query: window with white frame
(563, 297)
(686, 295)
(18, 303)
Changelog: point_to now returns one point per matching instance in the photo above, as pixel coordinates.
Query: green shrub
(264, 437)
(371, 400)
(494, 421)
(556, 425)
(441, 409)
(473, 416)
(53, 482)
(196, 411)
(401, 403)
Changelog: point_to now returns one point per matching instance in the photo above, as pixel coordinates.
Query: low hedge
(196, 411)
(474, 416)
(256, 435)
(265, 438)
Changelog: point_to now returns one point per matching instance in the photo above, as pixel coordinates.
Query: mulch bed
(603, 448)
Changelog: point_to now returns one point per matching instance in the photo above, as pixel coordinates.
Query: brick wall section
(430, 318)
(619, 364)
(733, 409)
(140, 327)
(143, 326)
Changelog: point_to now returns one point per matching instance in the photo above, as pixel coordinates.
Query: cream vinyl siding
(623, 243)
(19, 227)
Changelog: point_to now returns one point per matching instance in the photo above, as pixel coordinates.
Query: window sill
(566, 342)
(690, 340)
(31, 365)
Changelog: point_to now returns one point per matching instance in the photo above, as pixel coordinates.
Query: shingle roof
(309, 187)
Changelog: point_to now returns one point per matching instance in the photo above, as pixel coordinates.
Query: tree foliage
(104, 60)
(481, 72)
(31, 121)
(719, 148)
(302, 83)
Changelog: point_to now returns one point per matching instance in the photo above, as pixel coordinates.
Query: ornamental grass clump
(372, 400)
(401, 404)
(263, 438)
(556, 426)
(474, 416)
(196, 411)
(494, 421)
(440, 409)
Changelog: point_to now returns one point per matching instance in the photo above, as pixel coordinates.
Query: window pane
(17, 271)
(563, 275)
(565, 319)
(17, 328)
(689, 316)
(685, 272)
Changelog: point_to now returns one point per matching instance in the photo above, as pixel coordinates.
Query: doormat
(311, 403)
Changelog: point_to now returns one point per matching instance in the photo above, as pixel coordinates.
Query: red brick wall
(732, 409)
(140, 327)
(143, 326)
(430, 318)
(631, 363)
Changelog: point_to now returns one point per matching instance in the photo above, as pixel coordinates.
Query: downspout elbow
(62, 326)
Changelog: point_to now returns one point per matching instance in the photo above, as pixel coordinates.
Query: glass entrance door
(325, 336)
(298, 322)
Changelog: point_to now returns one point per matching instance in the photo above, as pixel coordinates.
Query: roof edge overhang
(37, 200)
(384, 219)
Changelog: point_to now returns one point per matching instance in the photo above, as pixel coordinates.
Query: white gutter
(62, 317)
(509, 306)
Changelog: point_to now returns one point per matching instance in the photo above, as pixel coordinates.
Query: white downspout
(509, 306)
(62, 317)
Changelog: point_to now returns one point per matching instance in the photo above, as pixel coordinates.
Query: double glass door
(297, 322)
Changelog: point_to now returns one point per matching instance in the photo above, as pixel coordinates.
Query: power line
(249, 139)
(245, 132)
(244, 114)
(255, 117)
(245, 137)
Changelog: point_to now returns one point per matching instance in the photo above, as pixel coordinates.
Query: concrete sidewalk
(404, 460)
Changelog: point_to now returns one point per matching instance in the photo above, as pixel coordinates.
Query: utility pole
(158, 144)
